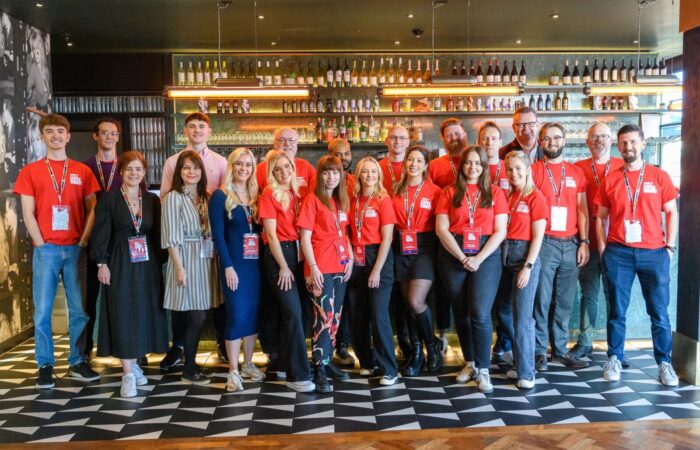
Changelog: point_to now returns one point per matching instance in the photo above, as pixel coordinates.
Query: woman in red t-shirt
(278, 207)
(372, 222)
(471, 223)
(323, 223)
(527, 221)
(414, 203)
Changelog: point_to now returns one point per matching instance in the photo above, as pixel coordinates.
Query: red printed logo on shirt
(649, 187)
(523, 208)
(75, 179)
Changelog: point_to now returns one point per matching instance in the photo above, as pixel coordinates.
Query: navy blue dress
(242, 304)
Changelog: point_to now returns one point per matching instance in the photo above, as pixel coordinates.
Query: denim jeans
(523, 302)
(556, 289)
(589, 278)
(48, 262)
(472, 295)
(622, 263)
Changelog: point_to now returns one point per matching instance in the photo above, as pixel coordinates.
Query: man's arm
(28, 213)
(600, 222)
(671, 210)
(90, 201)
(582, 254)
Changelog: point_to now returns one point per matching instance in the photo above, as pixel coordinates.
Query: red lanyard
(634, 199)
(498, 172)
(102, 177)
(391, 174)
(557, 192)
(361, 219)
(138, 217)
(53, 178)
(336, 216)
(409, 211)
(595, 173)
(512, 207)
(472, 207)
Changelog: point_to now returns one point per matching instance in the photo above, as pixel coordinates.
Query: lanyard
(557, 192)
(336, 216)
(634, 199)
(53, 178)
(246, 209)
(361, 219)
(498, 172)
(409, 211)
(391, 174)
(595, 173)
(138, 218)
(513, 206)
(102, 176)
(201, 209)
(452, 165)
(472, 207)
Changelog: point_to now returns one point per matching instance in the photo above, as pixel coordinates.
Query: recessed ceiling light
(273, 43)
(69, 44)
(518, 41)
(410, 15)
(397, 42)
(261, 17)
(635, 42)
(39, 5)
(554, 16)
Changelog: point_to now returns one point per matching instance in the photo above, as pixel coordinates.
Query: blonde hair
(525, 159)
(278, 192)
(379, 190)
(251, 186)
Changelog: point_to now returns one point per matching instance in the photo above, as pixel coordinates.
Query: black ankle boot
(406, 350)
(335, 373)
(433, 345)
(415, 363)
(321, 380)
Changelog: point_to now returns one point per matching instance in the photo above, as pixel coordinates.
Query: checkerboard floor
(168, 408)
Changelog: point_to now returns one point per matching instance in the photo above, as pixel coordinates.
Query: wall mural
(25, 93)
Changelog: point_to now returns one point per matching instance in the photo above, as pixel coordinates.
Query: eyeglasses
(599, 137)
(522, 126)
(109, 133)
(553, 138)
(286, 141)
(398, 138)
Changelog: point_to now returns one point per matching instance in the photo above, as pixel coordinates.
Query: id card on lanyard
(594, 213)
(633, 226)
(251, 244)
(558, 214)
(359, 221)
(471, 235)
(340, 243)
(409, 237)
(138, 245)
(60, 214)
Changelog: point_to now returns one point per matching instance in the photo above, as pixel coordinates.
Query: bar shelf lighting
(238, 89)
(645, 84)
(451, 89)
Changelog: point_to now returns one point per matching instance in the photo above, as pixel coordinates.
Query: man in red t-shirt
(490, 139)
(58, 203)
(443, 170)
(286, 140)
(396, 141)
(564, 248)
(630, 202)
(595, 169)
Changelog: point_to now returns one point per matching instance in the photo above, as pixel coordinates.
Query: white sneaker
(612, 369)
(667, 374)
(234, 383)
(141, 379)
(281, 375)
(128, 388)
(301, 386)
(251, 371)
(526, 383)
(483, 381)
(512, 374)
(388, 380)
(467, 373)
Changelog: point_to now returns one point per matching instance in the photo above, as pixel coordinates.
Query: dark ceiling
(352, 25)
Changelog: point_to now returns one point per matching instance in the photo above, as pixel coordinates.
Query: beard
(346, 164)
(629, 158)
(553, 154)
(457, 145)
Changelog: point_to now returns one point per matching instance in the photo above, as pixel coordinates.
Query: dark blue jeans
(622, 264)
(589, 278)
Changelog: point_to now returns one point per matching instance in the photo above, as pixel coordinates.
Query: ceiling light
(39, 5)
(261, 17)
(241, 88)
(554, 16)
(397, 42)
(518, 41)
(449, 90)
(635, 42)
(69, 44)
(410, 16)
(273, 43)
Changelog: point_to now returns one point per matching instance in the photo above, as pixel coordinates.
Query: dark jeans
(589, 277)
(557, 290)
(92, 292)
(372, 336)
(293, 357)
(328, 310)
(472, 295)
(622, 264)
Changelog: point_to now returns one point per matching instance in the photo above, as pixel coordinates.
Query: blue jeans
(48, 262)
(589, 278)
(622, 263)
(557, 289)
(523, 302)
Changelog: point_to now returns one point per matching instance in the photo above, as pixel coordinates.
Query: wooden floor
(657, 435)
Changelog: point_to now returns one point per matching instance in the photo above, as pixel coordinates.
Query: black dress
(132, 318)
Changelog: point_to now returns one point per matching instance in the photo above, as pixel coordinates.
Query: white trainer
(388, 380)
(301, 386)
(234, 383)
(469, 372)
(526, 383)
(141, 379)
(612, 369)
(128, 388)
(251, 371)
(483, 381)
(667, 375)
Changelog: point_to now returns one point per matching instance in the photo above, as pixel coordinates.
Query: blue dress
(242, 304)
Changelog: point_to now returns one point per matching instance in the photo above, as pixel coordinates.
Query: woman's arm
(538, 228)
(307, 248)
(500, 228)
(442, 229)
(286, 277)
(387, 232)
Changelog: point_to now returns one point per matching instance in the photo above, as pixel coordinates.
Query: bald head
(599, 141)
(286, 140)
(397, 141)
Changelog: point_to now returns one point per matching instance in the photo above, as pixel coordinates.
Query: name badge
(342, 217)
(250, 246)
(503, 184)
(342, 249)
(633, 231)
(558, 216)
(301, 181)
(471, 240)
(138, 249)
(60, 218)
(570, 182)
(360, 255)
(75, 179)
(371, 212)
(409, 242)
(206, 248)
(425, 203)
(649, 187)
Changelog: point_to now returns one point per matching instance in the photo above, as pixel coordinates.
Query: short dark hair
(100, 121)
(197, 116)
(55, 120)
(525, 110)
(548, 125)
(448, 123)
(630, 128)
(489, 124)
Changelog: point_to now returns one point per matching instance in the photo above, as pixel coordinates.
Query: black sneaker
(571, 361)
(45, 380)
(541, 362)
(205, 371)
(342, 356)
(83, 372)
(172, 358)
(333, 372)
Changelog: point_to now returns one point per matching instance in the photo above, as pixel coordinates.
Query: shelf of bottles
(109, 104)
(148, 136)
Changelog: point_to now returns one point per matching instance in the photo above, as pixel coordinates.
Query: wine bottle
(215, 74)
(354, 75)
(181, 77)
(199, 74)
(623, 72)
(565, 102)
(207, 74)
(409, 74)
(463, 71)
(381, 76)
(540, 102)
(427, 75)
(454, 68)
(613, 72)
(391, 74)
(596, 72)
(436, 71)
(364, 76)
(319, 130)
(532, 103)
(309, 75)
(576, 76)
(277, 75)
(655, 70)
(338, 74)
(400, 75)
(604, 73)
(548, 103)
(346, 74)
(479, 74)
(632, 73)
(497, 73)
(505, 75)
(513, 74)
(489, 72)
(373, 76)
(224, 70)
(557, 102)
(566, 76)
(662, 68)
(647, 68)
(523, 74)
(330, 75)
(586, 77)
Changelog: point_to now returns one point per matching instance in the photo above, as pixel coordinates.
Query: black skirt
(420, 266)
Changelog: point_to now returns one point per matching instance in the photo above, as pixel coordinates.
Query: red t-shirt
(423, 218)
(442, 172)
(499, 176)
(592, 190)
(315, 216)
(525, 211)
(483, 217)
(574, 184)
(379, 212)
(305, 173)
(657, 189)
(34, 180)
(396, 170)
(270, 208)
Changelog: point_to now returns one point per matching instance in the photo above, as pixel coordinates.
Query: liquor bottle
(454, 68)
(215, 74)
(604, 73)
(623, 72)
(181, 77)
(224, 70)
(540, 102)
(400, 75)
(207, 74)
(505, 75)
(605, 103)
(363, 132)
(301, 77)
(472, 69)
(662, 68)
(383, 131)
(375, 103)
(364, 76)
(330, 76)
(277, 75)
(342, 130)
(219, 106)
(309, 79)
(436, 72)
(418, 75)
(557, 102)
(576, 76)
(319, 130)
(613, 72)
(548, 103)
(346, 74)
(655, 70)
(199, 74)
(647, 68)
(427, 75)
(261, 74)
(289, 77)
(381, 76)
(513, 73)
(566, 76)
(356, 130)
(613, 103)
(227, 107)
(531, 103)
(409, 74)
(354, 75)
(479, 74)
(565, 102)
(319, 104)
(320, 79)
(373, 79)
(497, 72)
(338, 74)
(586, 77)
(391, 74)
(596, 72)
(304, 107)
(632, 73)
(489, 72)
(523, 75)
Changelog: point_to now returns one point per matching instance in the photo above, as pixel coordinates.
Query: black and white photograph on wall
(13, 262)
(36, 149)
(8, 146)
(6, 41)
(38, 89)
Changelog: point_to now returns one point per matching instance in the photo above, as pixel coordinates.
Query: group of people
(280, 249)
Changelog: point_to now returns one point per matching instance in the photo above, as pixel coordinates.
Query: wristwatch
(100, 265)
(584, 241)
(528, 265)
(671, 248)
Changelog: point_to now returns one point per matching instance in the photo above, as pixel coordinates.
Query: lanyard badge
(138, 245)
(633, 227)
(251, 241)
(409, 237)
(60, 214)
(340, 243)
(558, 214)
(471, 235)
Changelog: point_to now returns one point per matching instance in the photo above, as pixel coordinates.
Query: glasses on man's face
(109, 133)
(286, 141)
(549, 139)
(398, 138)
(522, 126)
(599, 137)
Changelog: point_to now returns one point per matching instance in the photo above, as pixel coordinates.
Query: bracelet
(313, 265)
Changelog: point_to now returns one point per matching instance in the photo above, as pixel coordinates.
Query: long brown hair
(484, 182)
(340, 194)
(403, 184)
(179, 184)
